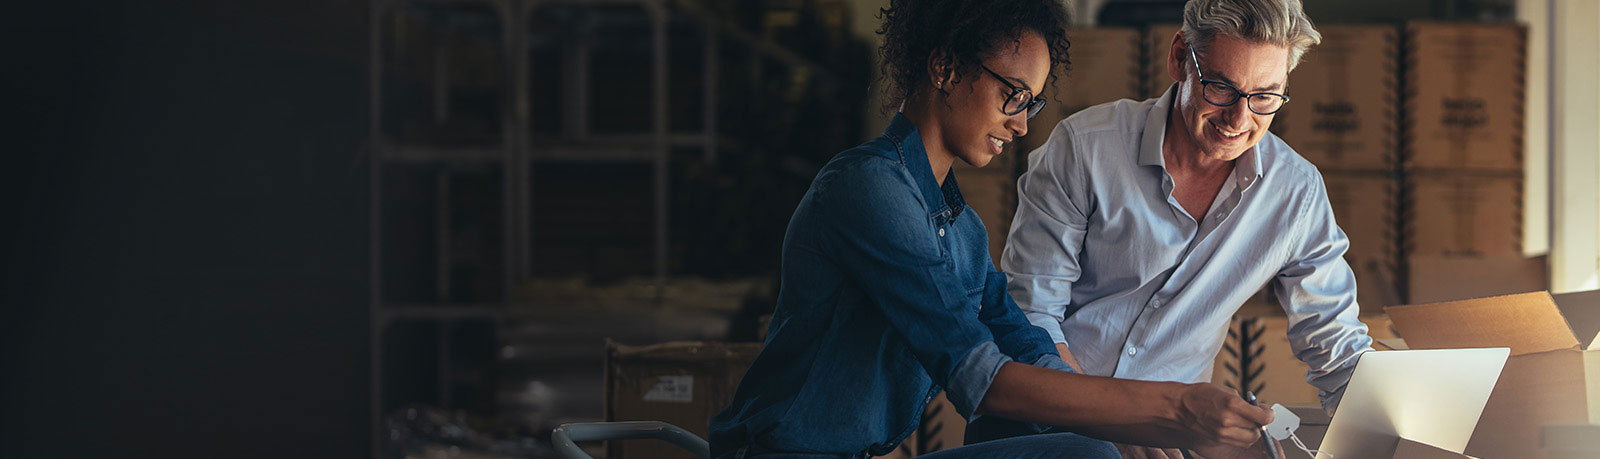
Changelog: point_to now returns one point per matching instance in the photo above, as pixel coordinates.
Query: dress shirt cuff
(1050, 325)
(1330, 399)
(1053, 362)
(972, 377)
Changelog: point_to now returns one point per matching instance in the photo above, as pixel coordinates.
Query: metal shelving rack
(519, 150)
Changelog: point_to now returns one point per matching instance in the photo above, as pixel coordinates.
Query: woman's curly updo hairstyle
(967, 30)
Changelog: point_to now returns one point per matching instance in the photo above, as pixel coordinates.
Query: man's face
(1224, 133)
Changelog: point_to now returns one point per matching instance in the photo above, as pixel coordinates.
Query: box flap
(1395, 344)
(1582, 310)
(1526, 322)
(1409, 449)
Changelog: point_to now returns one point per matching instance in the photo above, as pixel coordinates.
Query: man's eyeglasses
(1222, 94)
(1020, 98)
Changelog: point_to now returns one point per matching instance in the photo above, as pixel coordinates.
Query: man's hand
(1145, 452)
(1215, 415)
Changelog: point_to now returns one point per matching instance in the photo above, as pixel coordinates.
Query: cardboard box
(1105, 68)
(1157, 43)
(1343, 112)
(1463, 215)
(995, 198)
(1268, 366)
(1366, 206)
(1549, 379)
(1442, 278)
(1464, 95)
(681, 383)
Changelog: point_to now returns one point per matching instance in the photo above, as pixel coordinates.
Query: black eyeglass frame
(1237, 93)
(1035, 103)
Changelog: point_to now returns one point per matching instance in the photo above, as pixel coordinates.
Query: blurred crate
(1345, 96)
(1464, 92)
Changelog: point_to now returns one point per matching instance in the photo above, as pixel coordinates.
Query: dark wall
(185, 274)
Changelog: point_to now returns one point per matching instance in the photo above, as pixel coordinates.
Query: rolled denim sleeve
(1041, 253)
(882, 236)
(1317, 290)
(972, 378)
(1053, 362)
(1015, 339)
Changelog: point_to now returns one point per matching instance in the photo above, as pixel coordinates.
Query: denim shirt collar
(1155, 130)
(945, 202)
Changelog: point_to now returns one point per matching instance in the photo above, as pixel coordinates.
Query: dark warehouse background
(189, 275)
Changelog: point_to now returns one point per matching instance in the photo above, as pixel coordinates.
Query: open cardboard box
(1549, 378)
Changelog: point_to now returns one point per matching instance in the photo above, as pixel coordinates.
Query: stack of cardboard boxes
(1462, 150)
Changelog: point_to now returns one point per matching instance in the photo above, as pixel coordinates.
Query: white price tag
(1283, 423)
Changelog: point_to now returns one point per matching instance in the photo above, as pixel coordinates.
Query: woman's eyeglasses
(1020, 98)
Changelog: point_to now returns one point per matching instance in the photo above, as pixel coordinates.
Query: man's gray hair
(1276, 22)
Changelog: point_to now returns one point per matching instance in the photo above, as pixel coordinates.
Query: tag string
(1309, 452)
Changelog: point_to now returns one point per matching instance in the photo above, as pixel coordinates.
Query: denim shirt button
(941, 232)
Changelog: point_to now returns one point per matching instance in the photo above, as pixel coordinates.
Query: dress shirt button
(941, 232)
(1132, 351)
(1156, 303)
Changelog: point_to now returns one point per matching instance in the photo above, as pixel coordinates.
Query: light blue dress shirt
(1103, 258)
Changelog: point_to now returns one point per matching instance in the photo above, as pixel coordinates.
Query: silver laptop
(1433, 397)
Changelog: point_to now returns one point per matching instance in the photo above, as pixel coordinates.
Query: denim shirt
(888, 295)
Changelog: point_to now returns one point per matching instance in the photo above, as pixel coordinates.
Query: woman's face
(973, 126)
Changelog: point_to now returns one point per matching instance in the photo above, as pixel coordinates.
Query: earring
(940, 83)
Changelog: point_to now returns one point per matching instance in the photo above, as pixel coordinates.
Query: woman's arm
(1163, 414)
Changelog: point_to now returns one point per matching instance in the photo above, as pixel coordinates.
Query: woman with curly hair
(888, 293)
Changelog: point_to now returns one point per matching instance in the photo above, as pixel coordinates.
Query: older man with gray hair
(1142, 227)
